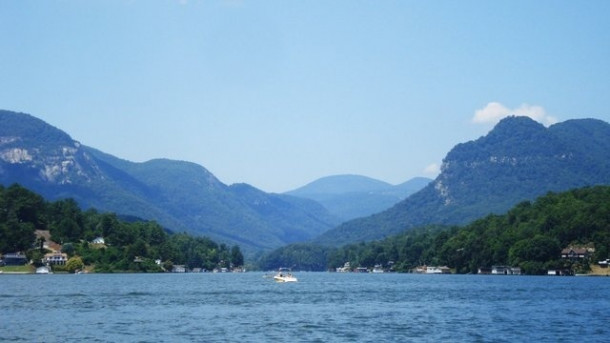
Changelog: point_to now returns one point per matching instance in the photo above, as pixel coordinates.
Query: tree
(68, 248)
(538, 249)
(17, 236)
(236, 256)
(74, 263)
(137, 249)
(27, 206)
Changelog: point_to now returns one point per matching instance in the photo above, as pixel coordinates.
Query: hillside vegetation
(129, 245)
(180, 195)
(531, 236)
(518, 160)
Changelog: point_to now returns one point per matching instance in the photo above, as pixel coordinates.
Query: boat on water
(43, 270)
(284, 275)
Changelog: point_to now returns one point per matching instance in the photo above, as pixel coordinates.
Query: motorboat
(43, 270)
(378, 269)
(284, 275)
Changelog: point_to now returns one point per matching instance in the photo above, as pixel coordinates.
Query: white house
(505, 270)
(55, 258)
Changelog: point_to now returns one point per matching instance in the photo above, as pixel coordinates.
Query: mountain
(353, 196)
(518, 160)
(181, 196)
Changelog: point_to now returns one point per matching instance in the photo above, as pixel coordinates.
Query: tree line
(129, 244)
(531, 236)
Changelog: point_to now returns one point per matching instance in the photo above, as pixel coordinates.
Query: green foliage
(21, 212)
(177, 194)
(530, 236)
(518, 160)
(130, 246)
(537, 249)
(25, 126)
(74, 264)
(301, 256)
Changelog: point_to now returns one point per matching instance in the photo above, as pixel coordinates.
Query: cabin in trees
(576, 253)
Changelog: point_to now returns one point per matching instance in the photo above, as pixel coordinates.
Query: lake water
(321, 307)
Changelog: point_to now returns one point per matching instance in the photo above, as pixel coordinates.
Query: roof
(14, 255)
(576, 250)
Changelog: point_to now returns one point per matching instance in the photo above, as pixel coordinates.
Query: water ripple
(321, 307)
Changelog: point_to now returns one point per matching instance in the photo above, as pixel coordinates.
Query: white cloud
(432, 170)
(493, 112)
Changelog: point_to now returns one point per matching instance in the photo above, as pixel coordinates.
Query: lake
(321, 307)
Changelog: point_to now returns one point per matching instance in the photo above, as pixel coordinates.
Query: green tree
(74, 263)
(16, 236)
(137, 249)
(26, 206)
(538, 249)
(68, 248)
(236, 256)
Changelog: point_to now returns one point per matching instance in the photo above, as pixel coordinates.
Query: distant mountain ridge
(181, 196)
(518, 160)
(354, 196)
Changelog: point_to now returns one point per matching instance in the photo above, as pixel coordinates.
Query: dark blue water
(321, 307)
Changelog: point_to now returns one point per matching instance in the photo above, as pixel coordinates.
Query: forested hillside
(180, 195)
(128, 245)
(518, 160)
(531, 236)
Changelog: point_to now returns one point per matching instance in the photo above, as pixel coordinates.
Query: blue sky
(279, 93)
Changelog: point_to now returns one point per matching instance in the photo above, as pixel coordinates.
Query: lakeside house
(55, 258)
(505, 270)
(577, 252)
(433, 270)
(345, 269)
(14, 259)
(178, 268)
(361, 270)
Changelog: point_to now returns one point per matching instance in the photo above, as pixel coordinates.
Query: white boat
(280, 277)
(43, 270)
(284, 276)
(378, 269)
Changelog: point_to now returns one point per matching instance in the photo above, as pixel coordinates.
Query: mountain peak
(513, 135)
(518, 160)
(180, 195)
(29, 129)
(352, 196)
(340, 184)
(47, 153)
(521, 124)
